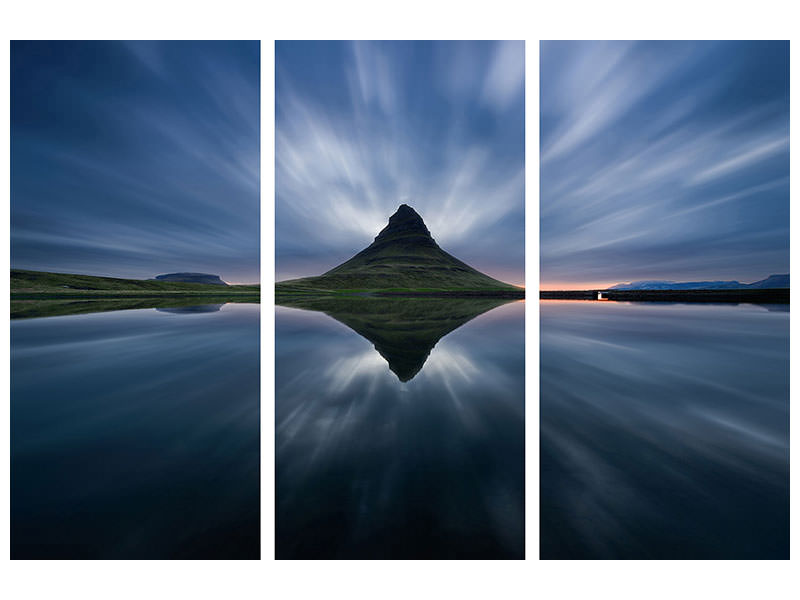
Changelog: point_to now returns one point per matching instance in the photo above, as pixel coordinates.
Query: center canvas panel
(400, 371)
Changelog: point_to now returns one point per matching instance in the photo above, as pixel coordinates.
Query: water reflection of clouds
(356, 442)
(662, 421)
(346, 370)
(352, 381)
(142, 414)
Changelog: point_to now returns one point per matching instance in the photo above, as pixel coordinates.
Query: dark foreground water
(135, 434)
(664, 430)
(385, 452)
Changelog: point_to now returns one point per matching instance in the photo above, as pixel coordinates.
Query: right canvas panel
(664, 172)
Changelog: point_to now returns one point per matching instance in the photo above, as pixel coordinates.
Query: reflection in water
(135, 434)
(664, 431)
(183, 310)
(380, 457)
(57, 307)
(402, 330)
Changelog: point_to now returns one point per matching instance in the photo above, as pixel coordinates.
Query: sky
(132, 159)
(364, 127)
(663, 160)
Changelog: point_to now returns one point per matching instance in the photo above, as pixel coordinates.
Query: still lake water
(664, 430)
(382, 452)
(135, 434)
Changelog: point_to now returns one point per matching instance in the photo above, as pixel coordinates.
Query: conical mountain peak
(404, 222)
(403, 256)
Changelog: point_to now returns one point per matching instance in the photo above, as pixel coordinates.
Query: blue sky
(134, 159)
(663, 160)
(364, 127)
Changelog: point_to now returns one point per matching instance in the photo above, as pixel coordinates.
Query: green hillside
(38, 283)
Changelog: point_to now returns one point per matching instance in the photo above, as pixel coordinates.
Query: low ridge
(403, 257)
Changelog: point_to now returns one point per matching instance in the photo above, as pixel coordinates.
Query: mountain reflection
(402, 330)
(191, 310)
(135, 435)
(664, 431)
(371, 466)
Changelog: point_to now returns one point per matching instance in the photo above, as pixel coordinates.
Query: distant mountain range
(403, 258)
(771, 282)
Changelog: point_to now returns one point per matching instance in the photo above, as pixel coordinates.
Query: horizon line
(549, 287)
(63, 272)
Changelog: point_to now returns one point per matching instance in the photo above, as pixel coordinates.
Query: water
(664, 430)
(386, 451)
(135, 434)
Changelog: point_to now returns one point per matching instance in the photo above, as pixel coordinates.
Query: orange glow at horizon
(592, 285)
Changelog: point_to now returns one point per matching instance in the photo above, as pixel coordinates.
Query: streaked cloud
(131, 159)
(505, 79)
(663, 160)
(364, 127)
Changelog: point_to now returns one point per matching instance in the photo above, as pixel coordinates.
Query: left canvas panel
(135, 300)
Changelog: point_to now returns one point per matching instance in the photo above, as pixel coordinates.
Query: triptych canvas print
(400, 394)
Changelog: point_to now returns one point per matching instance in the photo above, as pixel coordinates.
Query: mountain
(403, 257)
(402, 330)
(192, 278)
(673, 285)
(771, 282)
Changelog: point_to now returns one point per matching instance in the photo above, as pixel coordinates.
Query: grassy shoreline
(123, 294)
(292, 291)
(43, 294)
(41, 285)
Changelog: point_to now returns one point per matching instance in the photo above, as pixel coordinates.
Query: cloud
(151, 163)
(743, 159)
(506, 76)
(398, 123)
(652, 171)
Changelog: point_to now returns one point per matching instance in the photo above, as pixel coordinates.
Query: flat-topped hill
(192, 278)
